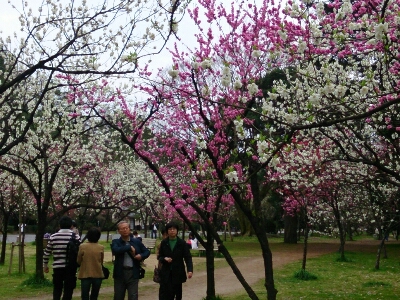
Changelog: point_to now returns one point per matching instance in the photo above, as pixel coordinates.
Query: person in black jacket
(173, 255)
(128, 252)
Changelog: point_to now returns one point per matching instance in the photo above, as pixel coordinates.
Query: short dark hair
(170, 225)
(65, 222)
(93, 235)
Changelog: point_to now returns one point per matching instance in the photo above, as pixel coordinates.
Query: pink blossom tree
(211, 122)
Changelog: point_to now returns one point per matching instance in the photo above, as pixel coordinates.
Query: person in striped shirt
(64, 278)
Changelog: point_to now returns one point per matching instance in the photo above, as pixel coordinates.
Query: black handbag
(106, 272)
(142, 272)
(156, 275)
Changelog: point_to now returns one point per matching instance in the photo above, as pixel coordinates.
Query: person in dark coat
(173, 255)
(128, 252)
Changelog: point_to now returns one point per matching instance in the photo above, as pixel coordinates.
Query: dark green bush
(213, 298)
(304, 275)
(36, 282)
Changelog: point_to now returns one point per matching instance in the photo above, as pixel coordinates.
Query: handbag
(142, 272)
(106, 272)
(156, 275)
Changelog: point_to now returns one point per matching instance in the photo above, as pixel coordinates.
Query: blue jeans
(126, 283)
(63, 280)
(86, 283)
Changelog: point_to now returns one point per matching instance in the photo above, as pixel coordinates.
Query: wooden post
(11, 257)
(21, 232)
(21, 257)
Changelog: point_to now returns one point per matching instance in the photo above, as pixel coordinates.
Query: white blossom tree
(90, 39)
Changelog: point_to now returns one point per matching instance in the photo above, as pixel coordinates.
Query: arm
(161, 253)
(188, 260)
(119, 248)
(77, 236)
(143, 252)
(46, 255)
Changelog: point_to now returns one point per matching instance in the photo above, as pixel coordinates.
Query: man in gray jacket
(128, 252)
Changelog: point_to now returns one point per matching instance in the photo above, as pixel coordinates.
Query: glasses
(124, 228)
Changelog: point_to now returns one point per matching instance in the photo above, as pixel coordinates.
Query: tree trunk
(230, 231)
(235, 270)
(256, 220)
(245, 226)
(303, 266)
(342, 242)
(212, 235)
(108, 236)
(378, 255)
(350, 233)
(6, 217)
(39, 246)
(210, 269)
(384, 251)
(290, 235)
(342, 232)
(145, 225)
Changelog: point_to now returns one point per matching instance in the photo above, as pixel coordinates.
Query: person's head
(191, 236)
(93, 235)
(123, 229)
(172, 229)
(74, 224)
(65, 222)
(164, 233)
(135, 233)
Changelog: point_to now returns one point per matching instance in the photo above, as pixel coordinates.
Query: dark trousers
(126, 283)
(169, 291)
(86, 284)
(63, 280)
(154, 234)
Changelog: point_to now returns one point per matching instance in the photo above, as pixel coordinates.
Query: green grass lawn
(354, 279)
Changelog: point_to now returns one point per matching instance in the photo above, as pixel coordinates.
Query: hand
(168, 259)
(138, 257)
(46, 269)
(133, 251)
(190, 274)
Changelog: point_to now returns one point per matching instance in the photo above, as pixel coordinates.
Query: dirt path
(226, 282)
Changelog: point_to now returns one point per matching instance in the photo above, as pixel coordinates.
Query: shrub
(376, 284)
(36, 282)
(344, 259)
(304, 275)
(214, 298)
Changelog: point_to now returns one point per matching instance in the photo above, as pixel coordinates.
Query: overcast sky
(10, 24)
